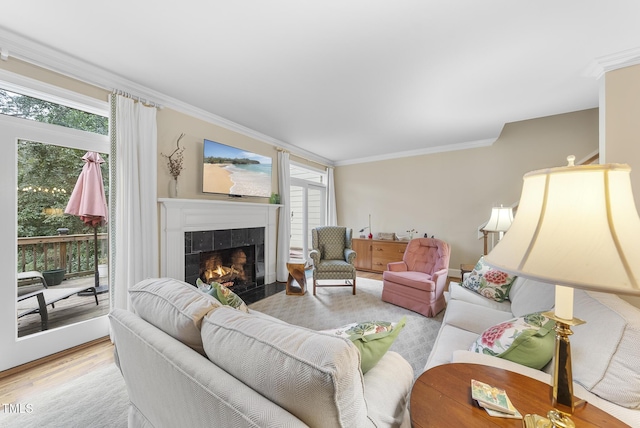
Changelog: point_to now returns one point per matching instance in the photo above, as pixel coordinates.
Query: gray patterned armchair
(332, 256)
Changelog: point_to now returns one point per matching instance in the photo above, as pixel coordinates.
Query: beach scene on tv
(234, 171)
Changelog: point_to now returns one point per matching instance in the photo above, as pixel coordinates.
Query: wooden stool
(297, 280)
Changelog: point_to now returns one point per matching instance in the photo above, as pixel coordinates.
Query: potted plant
(103, 266)
(54, 276)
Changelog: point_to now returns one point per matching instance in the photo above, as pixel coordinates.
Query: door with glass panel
(308, 207)
(43, 159)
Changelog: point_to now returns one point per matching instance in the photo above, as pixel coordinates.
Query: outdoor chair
(36, 301)
(333, 257)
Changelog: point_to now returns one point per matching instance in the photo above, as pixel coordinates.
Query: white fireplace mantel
(178, 216)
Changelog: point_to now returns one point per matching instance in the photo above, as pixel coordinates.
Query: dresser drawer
(383, 253)
(375, 254)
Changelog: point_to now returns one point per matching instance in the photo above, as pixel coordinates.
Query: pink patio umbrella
(88, 202)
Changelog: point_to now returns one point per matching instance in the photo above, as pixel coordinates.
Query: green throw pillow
(529, 340)
(372, 338)
(223, 295)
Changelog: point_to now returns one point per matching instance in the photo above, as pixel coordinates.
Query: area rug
(336, 306)
(98, 400)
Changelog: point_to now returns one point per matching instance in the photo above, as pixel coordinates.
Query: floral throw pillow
(528, 340)
(372, 338)
(223, 295)
(489, 282)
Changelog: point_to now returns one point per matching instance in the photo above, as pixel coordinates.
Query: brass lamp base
(562, 399)
(560, 420)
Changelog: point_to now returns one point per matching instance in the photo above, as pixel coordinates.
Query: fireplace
(228, 267)
(189, 227)
(233, 257)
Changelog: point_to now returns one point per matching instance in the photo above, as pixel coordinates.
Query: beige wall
(622, 121)
(622, 127)
(450, 194)
(171, 124)
(28, 70)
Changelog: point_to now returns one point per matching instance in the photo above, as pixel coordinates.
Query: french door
(16, 351)
(308, 210)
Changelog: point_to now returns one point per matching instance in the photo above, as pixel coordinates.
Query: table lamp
(500, 221)
(577, 227)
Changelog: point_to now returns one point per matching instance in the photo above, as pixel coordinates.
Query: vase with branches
(174, 163)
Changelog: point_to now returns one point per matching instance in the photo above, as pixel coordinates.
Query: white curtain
(332, 213)
(135, 239)
(284, 217)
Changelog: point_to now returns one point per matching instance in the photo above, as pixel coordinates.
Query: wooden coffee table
(441, 397)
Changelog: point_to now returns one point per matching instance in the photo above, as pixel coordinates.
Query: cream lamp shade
(576, 226)
(501, 219)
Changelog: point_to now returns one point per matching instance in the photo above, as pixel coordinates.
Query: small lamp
(577, 227)
(500, 221)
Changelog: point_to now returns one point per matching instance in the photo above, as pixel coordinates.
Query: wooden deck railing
(73, 253)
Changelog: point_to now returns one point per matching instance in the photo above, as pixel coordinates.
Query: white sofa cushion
(606, 355)
(175, 307)
(528, 296)
(314, 376)
(473, 318)
(387, 388)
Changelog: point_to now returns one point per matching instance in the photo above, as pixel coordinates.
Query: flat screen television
(235, 172)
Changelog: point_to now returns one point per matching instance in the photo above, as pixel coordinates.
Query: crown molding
(29, 51)
(426, 151)
(614, 61)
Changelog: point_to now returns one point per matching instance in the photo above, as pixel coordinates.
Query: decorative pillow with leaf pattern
(223, 294)
(528, 340)
(489, 282)
(372, 338)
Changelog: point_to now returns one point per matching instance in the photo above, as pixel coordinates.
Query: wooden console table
(373, 255)
(441, 397)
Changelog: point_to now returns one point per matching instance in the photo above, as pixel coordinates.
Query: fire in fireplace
(233, 266)
(237, 257)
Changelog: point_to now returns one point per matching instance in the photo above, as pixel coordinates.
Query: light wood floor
(17, 385)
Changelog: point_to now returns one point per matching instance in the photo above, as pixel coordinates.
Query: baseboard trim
(49, 358)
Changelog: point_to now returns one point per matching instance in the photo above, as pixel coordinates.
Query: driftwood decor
(387, 236)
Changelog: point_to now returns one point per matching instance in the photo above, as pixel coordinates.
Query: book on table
(495, 413)
(491, 397)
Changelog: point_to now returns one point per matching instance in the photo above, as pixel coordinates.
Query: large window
(32, 108)
(308, 196)
(59, 245)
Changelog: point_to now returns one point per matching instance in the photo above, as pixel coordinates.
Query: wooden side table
(464, 268)
(441, 397)
(297, 280)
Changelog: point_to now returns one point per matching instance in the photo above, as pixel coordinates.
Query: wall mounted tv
(235, 172)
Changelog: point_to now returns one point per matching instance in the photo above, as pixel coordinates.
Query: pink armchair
(417, 282)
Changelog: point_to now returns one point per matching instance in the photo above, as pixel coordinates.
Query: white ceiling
(349, 80)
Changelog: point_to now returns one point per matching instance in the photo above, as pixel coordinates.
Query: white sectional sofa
(187, 361)
(605, 350)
